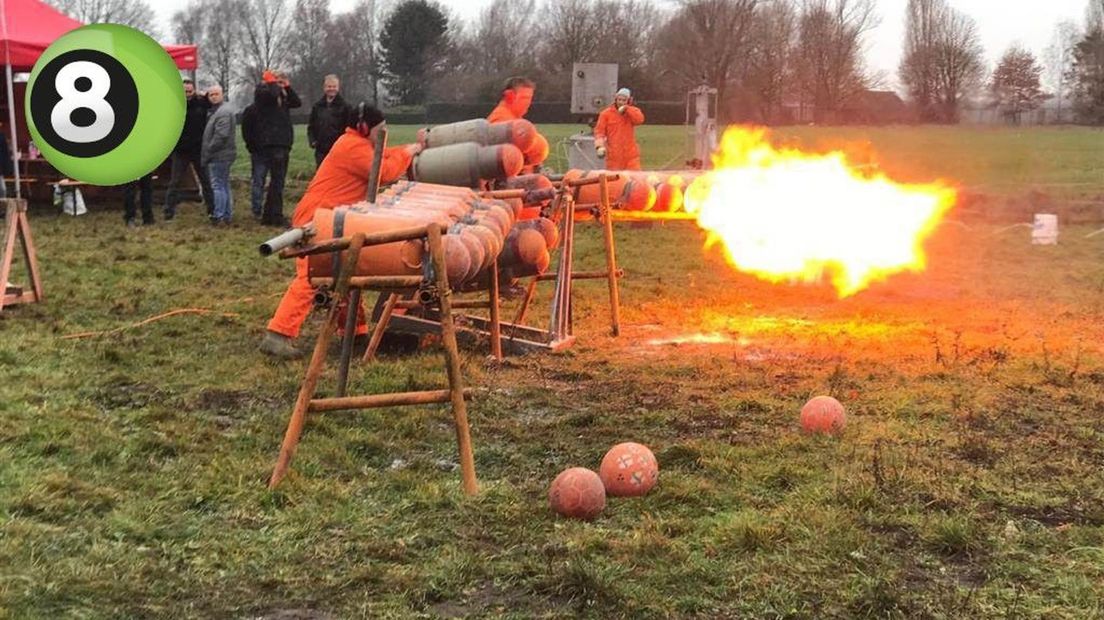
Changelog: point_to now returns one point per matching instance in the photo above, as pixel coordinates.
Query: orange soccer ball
(577, 493)
(823, 414)
(629, 469)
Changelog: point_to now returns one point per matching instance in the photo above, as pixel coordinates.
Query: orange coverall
(619, 131)
(502, 112)
(341, 180)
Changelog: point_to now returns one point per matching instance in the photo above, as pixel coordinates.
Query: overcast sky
(1000, 23)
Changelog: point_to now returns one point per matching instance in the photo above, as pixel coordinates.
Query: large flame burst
(785, 215)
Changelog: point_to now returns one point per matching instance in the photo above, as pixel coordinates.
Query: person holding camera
(268, 136)
(615, 133)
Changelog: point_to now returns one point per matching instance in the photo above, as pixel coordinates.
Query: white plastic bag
(70, 200)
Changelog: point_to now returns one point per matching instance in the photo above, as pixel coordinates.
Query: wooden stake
(452, 363)
(16, 225)
(611, 258)
(352, 308)
(381, 326)
(496, 326)
(314, 369)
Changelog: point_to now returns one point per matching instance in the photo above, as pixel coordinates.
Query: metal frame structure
(516, 337)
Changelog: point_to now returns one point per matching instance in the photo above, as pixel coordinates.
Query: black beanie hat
(365, 113)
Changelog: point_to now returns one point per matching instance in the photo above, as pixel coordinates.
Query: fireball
(786, 215)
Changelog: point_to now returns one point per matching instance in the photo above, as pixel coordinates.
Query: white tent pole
(14, 146)
(11, 122)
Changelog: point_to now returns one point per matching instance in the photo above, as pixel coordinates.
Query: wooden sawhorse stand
(435, 285)
(16, 226)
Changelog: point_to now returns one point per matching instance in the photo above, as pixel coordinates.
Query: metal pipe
(286, 239)
(351, 310)
(611, 258)
(583, 275)
(380, 238)
(385, 282)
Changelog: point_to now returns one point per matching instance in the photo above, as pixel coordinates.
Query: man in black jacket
(268, 135)
(327, 119)
(187, 151)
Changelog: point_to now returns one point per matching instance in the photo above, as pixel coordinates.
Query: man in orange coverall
(342, 179)
(615, 133)
(517, 95)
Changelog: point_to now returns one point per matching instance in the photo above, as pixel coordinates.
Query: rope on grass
(151, 319)
(173, 313)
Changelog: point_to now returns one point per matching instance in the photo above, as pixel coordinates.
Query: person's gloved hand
(621, 110)
(423, 136)
(601, 152)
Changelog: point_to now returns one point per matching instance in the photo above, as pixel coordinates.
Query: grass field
(968, 484)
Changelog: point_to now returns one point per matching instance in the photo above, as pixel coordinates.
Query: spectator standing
(615, 133)
(188, 151)
(327, 119)
(144, 187)
(218, 153)
(271, 134)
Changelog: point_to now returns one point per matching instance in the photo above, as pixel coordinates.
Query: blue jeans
(257, 186)
(219, 173)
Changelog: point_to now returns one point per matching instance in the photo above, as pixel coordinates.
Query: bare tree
(830, 50)
(220, 46)
(924, 28)
(628, 39)
(353, 50)
(1058, 61)
(188, 23)
(571, 33)
(266, 27)
(310, 59)
(1094, 15)
(502, 38)
(959, 65)
(706, 42)
(134, 13)
(942, 60)
(1015, 84)
(770, 67)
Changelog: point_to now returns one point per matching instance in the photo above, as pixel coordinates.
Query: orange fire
(785, 215)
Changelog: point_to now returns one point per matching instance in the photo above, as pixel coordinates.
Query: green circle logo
(105, 104)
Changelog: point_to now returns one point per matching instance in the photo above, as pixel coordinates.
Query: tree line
(771, 60)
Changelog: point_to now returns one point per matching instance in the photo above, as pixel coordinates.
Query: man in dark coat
(270, 132)
(327, 119)
(187, 152)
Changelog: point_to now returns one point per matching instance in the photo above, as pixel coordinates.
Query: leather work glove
(601, 152)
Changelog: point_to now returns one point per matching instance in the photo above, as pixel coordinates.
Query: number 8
(72, 99)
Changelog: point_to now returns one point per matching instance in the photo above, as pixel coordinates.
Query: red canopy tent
(27, 28)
